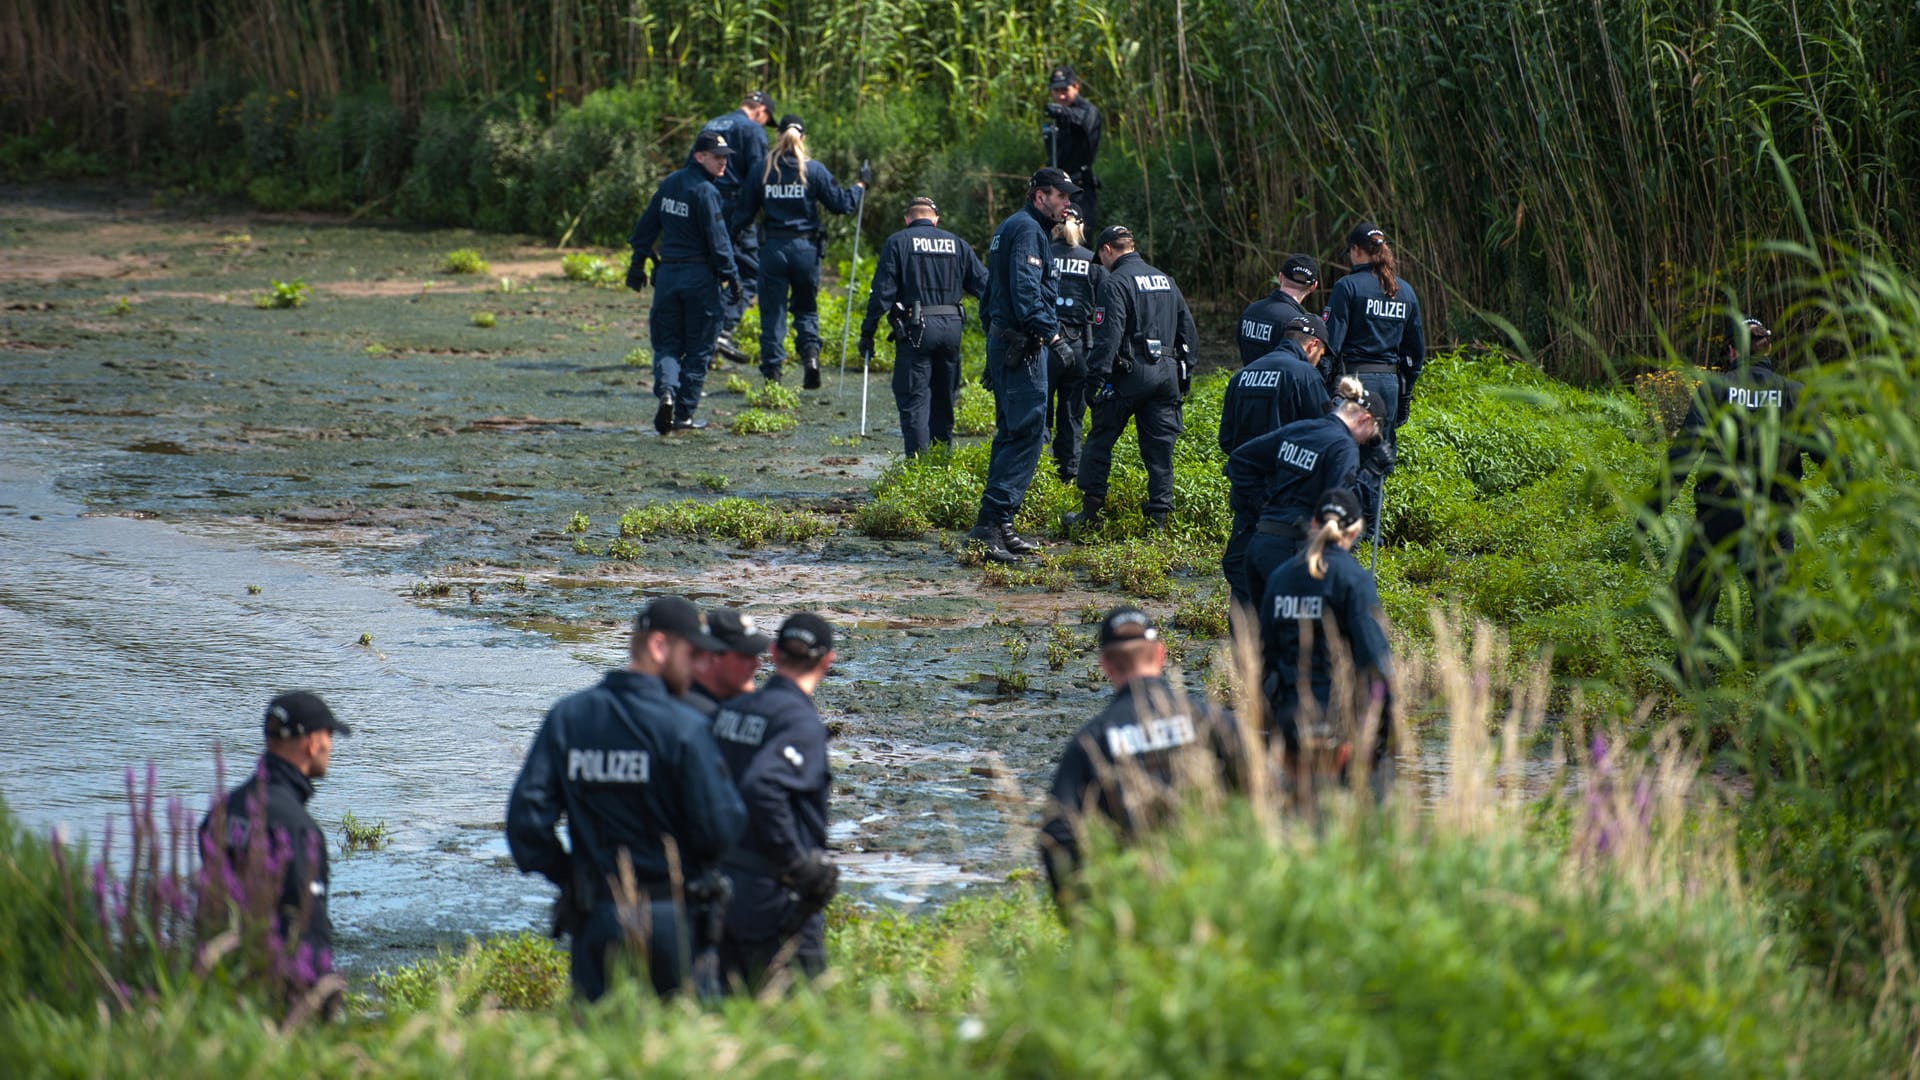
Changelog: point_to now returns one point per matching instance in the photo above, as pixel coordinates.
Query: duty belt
(1292, 530)
(790, 234)
(1371, 367)
(1014, 337)
(940, 309)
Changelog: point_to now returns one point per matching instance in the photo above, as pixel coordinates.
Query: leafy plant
(762, 422)
(363, 835)
(284, 294)
(772, 396)
(464, 261)
(484, 320)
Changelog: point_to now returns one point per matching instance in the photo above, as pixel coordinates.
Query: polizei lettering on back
(674, 207)
(1259, 380)
(1297, 607)
(1129, 740)
(1753, 398)
(786, 191)
(1386, 309)
(934, 245)
(1256, 331)
(739, 727)
(1292, 453)
(1076, 267)
(1152, 283)
(609, 766)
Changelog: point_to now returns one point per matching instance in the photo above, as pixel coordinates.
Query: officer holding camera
(1072, 138)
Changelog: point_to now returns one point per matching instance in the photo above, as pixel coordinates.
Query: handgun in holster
(909, 323)
(1185, 354)
(574, 904)
(707, 899)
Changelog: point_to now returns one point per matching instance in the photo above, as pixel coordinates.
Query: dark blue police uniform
(1285, 473)
(1299, 616)
(749, 142)
(923, 270)
(1274, 390)
(787, 198)
(695, 261)
(1261, 324)
(1378, 339)
(1142, 333)
(1021, 317)
(776, 749)
(274, 799)
(1077, 143)
(629, 766)
(1068, 394)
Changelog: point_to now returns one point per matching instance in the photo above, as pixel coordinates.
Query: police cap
(922, 201)
(712, 142)
(758, 97)
(1056, 179)
(1309, 324)
(1110, 234)
(1124, 624)
(292, 715)
(805, 636)
(1365, 235)
(737, 632)
(676, 615)
(793, 121)
(1062, 77)
(1757, 332)
(1301, 270)
(1341, 505)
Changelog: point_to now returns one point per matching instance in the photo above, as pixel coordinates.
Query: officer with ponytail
(1375, 334)
(1081, 275)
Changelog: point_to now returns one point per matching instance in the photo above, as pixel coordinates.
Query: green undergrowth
(752, 522)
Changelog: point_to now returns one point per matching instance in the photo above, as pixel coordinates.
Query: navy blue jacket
(305, 881)
(1261, 323)
(1270, 393)
(776, 749)
(749, 143)
(1080, 275)
(685, 217)
(1759, 460)
(1022, 288)
(790, 200)
(1139, 306)
(1365, 327)
(1288, 472)
(1145, 727)
(1079, 125)
(627, 764)
(922, 262)
(1297, 607)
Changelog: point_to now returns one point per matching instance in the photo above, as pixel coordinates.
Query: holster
(1021, 348)
(574, 904)
(909, 323)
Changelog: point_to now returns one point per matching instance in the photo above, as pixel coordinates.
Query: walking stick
(853, 276)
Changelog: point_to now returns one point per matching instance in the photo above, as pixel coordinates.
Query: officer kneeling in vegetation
(648, 802)
(1130, 763)
(776, 748)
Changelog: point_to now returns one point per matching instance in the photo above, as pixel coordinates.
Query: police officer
(1737, 436)
(1261, 324)
(1125, 763)
(267, 816)
(1279, 388)
(1374, 333)
(1284, 476)
(788, 192)
(1143, 341)
(724, 675)
(1328, 667)
(917, 285)
(695, 264)
(776, 749)
(1022, 324)
(745, 129)
(1073, 138)
(632, 768)
(1080, 275)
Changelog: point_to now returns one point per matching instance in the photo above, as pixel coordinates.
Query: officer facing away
(647, 798)
(1283, 477)
(745, 129)
(1374, 333)
(724, 675)
(1143, 342)
(1023, 326)
(267, 815)
(1128, 763)
(1068, 394)
(1072, 136)
(788, 192)
(695, 263)
(918, 284)
(1281, 387)
(776, 749)
(1261, 324)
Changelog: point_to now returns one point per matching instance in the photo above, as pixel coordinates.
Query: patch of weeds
(578, 523)
(622, 548)
(1091, 612)
(891, 521)
(283, 294)
(638, 356)
(973, 410)
(124, 307)
(485, 320)
(376, 349)
(762, 422)
(1008, 678)
(236, 239)
(772, 396)
(1063, 645)
(253, 590)
(714, 482)
(366, 641)
(595, 270)
(518, 584)
(737, 385)
(364, 835)
(751, 522)
(591, 327)
(1202, 614)
(521, 971)
(843, 440)
(464, 261)
(430, 588)
(1045, 572)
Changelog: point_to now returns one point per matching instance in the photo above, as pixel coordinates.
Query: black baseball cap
(1757, 332)
(1301, 270)
(1124, 624)
(758, 97)
(676, 615)
(292, 715)
(805, 636)
(1062, 77)
(1366, 234)
(792, 120)
(737, 632)
(1309, 324)
(1342, 504)
(1056, 179)
(712, 142)
(1111, 233)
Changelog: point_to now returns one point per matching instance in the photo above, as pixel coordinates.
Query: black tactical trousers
(926, 379)
(1157, 420)
(1066, 400)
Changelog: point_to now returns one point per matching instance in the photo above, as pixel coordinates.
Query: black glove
(1404, 410)
(866, 347)
(1057, 111)
(1068, 359)
(1105, 393)
(814, 877)
(735, 294)
(866, 173)
(637, 272)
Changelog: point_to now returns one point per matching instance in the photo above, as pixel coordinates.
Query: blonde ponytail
(1330, 532)
(1070, 231)
(1349, 389)
(791, 143)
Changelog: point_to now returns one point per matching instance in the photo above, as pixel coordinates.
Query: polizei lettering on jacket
(1297, 607)
(1256, 331)
(609, 766)
(1259, 380)
(1129, 740)
(1752, 398)
(786, 191)
(674, 207)
(1076, 267)
(1152, 283)
(1386, 309)
(934, 245)
(1292, 453)
(745, 728)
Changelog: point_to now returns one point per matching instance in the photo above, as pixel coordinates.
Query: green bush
(47, 923)
(762, 422)
(516, 971)
(772, 396)
(464, 261)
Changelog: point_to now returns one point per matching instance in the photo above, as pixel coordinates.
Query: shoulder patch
(794, 757)
(1034, 260)
(1099, 315)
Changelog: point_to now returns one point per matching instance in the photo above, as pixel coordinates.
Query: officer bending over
(1328, 669)
(1128, 762)
(724, 675)
(1374, 333)
(1073, 138)
(1068, 395)
(1279, 388)
(1022, 326)
(917, 286)
(695, 263)
(745, 129)
(267, 815)
(776, 749)
(1143, 341)
(1284, 476)
(633, 769)
(1263, 321)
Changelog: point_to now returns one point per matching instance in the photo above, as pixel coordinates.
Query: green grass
(751, 522)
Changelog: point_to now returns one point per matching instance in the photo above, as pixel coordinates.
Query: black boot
(724, 347)
(1089, 515)
(990, 536)
(663, 416)
(810, 361)
(1157, 521)
(1016, 543)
